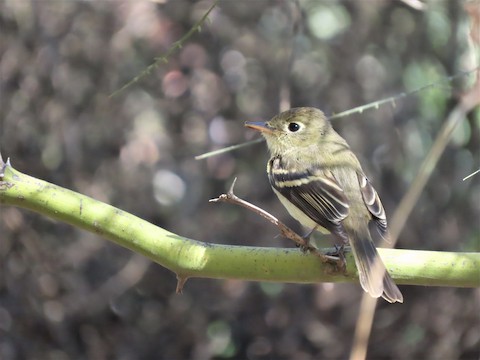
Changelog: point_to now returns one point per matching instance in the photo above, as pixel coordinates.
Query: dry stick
(367, 306)
(231, 198)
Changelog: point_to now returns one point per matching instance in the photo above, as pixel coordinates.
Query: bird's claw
(339, 253)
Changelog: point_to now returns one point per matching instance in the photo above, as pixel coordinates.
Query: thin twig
(229, 148)
(472, 174)
(164, 58)
(392, 99)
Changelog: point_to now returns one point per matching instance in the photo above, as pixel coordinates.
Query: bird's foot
(339, 252)
(306, 238)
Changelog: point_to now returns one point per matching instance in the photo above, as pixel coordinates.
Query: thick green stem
(190, 258)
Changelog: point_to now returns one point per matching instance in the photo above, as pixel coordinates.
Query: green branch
(189, 258)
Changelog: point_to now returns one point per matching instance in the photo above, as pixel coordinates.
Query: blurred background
(68, 294)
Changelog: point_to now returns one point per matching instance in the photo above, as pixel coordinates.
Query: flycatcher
(320, 182)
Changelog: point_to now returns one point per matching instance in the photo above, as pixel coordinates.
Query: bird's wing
(313, 191)
(374, 205)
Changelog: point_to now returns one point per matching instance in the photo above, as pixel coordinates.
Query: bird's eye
(293, 127)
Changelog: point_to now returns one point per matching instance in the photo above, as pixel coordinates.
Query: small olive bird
(320, 182)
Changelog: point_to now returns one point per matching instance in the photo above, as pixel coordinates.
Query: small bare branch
(231, 198)
(472, 174)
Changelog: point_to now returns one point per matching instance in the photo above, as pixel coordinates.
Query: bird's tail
(372, 273)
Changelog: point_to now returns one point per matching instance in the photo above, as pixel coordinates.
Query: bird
(320, 182)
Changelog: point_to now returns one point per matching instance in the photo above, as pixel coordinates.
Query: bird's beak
(259, 126)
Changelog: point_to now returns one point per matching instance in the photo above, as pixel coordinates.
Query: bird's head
(297, 128)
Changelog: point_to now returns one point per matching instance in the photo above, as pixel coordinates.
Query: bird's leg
(306, 238)
(340, 253)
